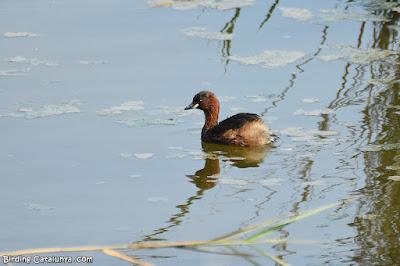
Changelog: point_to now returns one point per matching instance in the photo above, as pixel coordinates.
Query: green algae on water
(270, 58)
(19, 34)
(48, 110)
(125, 155)
(374, 5)
(382, 147)
(216, 4)
(296, 13)
(126, 106)
(143, 155)
(317, 112)
(311, 100)
(357, 55)
(141, 121)
(202, 32)
(394, 178)
(334, 15)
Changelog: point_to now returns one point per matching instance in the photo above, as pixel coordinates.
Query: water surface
(96, 148)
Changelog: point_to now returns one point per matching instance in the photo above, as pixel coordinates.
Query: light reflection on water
(138, 171)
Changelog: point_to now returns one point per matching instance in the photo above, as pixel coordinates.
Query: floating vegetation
(271, 182)
(311, 100)
(312, 136)
(377, 4)
(270, 58)
(226, 181)
(260, 97)
(296, 13)
(333, 57)
(38, 207)
(126, 106)
(317, 112)
(359, 56)
(371, 216)
(190, 4)
(334, 15)
(382, 147)
(314, 183)
(32, 61)
(9, 72)
(18, 59)
(95, 62)
(299, 132)
(393, 167)
(394, 27)
(179, 111)
(157, 199)
(175, 148)
(394, 178)
(201, 32)
(143, 155)
(248, 236)
(125, 155)
(48, 110)
(141, 121)
(176, 156)
(19, 34)
(388, 81)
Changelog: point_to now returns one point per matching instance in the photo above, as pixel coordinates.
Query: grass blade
(269, 255)
(299, 217)
(119, 255)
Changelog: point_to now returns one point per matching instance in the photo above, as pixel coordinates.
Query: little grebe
(242, 129)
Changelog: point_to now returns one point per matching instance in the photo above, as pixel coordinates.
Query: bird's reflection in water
(241, 157)
(206, 178)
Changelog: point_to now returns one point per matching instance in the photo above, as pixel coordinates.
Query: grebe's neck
(211, 112)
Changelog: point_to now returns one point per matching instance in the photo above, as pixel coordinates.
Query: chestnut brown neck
(210, 107)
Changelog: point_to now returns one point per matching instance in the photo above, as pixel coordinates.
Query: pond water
(96, 148)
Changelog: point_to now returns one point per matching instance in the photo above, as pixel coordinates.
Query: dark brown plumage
(242, 129)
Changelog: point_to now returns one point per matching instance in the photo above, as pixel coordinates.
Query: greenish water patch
(270, 58)
(142, 121)
(126, 106)
(311, 100)
(202, 32)
(359, 56)
(296, 13)
(394, 178)
(376, 4)
(216, 4)
(47, 110)
(19, 34)
(334, 15)
(32, 61)
(382, 147)
(316, 112)
(143, 155)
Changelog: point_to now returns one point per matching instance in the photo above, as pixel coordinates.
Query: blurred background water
(95, 148)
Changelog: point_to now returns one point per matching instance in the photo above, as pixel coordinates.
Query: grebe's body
(242, 129)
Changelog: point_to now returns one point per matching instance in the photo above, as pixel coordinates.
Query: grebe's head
(203, 100)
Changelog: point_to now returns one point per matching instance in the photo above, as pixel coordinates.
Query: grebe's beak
(192, 106)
